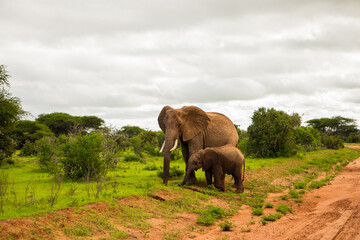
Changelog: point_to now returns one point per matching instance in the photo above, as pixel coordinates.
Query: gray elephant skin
(196, 130)
(219, 161)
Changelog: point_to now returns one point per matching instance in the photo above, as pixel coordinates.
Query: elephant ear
(211, 159)
(161, 117)
(194, 121)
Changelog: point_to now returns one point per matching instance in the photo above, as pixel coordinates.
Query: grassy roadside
(29, 192)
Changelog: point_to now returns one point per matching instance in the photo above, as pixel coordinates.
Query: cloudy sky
(124, 60)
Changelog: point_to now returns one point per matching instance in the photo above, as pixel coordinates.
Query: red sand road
(331, 212)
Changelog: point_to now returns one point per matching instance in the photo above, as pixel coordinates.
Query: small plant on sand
(283, 208)
(226, 225)
(209, 216)
(269, 205)
(257, 211)
(272, 217)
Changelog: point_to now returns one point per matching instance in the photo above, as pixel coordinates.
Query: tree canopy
(335, 126)
(63, 123)
(271, 133)
(10, 112)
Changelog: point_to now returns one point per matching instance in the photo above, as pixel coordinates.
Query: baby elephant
(217, 161)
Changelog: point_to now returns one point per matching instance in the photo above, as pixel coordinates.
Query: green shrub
(294, 194)
(210, 215)
(332, 142)
(300, 185)
(269, 205)
(47, 153)
(271, 133)
(226, 225)
(7, 148)
(81, 157)
(174, 171)
(151, 167)
(28, 149)
(283, 208)
(257, 211)
(308, 139)
(132, 158)
(272, 217)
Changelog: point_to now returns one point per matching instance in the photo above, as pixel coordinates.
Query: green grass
(29, 189)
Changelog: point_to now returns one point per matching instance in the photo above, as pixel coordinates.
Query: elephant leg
(208, 175)
(186, 156)
(219, 182)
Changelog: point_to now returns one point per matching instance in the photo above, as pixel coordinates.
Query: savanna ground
(311, 196)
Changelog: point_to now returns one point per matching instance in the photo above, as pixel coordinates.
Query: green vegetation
(283, 208)
(271, 133)
(257, 211)
(10, 113)
(210, 215)
(227, 225)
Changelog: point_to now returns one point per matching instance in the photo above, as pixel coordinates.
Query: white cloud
(124, 60)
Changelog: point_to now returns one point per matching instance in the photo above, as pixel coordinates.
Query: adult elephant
(196, 130)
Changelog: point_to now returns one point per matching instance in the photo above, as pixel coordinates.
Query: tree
(337, 126)
(63, 123)
(10, 112)
(271, 133)
(26, 130)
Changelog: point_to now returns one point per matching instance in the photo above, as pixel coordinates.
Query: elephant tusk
(175, 145)
(162, 147)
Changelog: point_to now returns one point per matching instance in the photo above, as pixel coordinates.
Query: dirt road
(331, 212)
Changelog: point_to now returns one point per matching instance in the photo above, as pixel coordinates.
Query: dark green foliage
(28, 149)
(26, 130)
(63, 123)
(132, 158)
(271, 133)
(81, 157)
(332, 142)
(175, 171)
(7, 148)
(269, 205)
(10, 112)
(227, 226)
(47, 154)
(283, 208)
(308, 139)
(341, 127)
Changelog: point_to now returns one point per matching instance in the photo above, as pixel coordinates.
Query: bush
(152, 167)
(7, 149)
(271, 133)
(257, 211)
(209, 216)
(283, 208)
(272, 217)
(300, 185)
(132, 158)
(269, 205)
(28, 149)
(81, 157)
(47, 154)
(308, 139)
(226, 225)
(332, 142)
(174, 171)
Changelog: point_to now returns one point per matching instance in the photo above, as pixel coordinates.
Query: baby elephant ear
(161, 117)
(211, 159)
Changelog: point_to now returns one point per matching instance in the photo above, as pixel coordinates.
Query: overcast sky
(124, 60)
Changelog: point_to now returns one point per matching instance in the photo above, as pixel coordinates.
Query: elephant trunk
(187, 175)
(169, 145)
